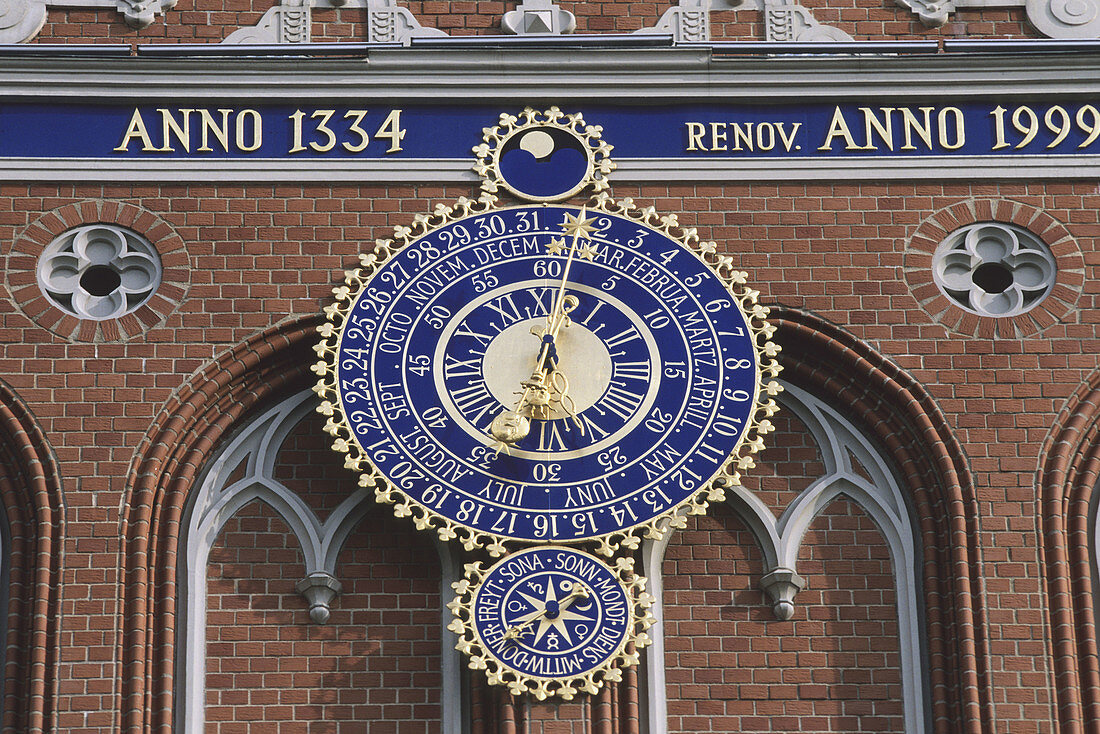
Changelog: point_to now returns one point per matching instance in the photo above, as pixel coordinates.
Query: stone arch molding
(780, 538)
(242, 472)
(32, 539)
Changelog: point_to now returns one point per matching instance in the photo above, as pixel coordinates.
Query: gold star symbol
(588, 252)
(556, 246)
(579, 226)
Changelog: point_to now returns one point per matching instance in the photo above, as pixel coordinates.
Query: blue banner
(817, 129)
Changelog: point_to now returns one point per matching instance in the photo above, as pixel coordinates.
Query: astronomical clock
(547, 384)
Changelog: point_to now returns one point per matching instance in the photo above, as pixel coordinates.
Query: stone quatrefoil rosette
(99, 272)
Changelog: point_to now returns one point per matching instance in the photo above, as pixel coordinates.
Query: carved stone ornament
(1052, 18)
(538, 18)
(99, 272)
(319, 589)
(289, 22)
(689, 21)
(286, 23)
(20, 20)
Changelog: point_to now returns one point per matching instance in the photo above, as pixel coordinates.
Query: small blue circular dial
(552, 612)
(544, 162)
(647, 365)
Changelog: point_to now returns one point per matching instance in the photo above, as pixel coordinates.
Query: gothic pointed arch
(899, 413)
(1069, 544)
(30, 494)
(271, 364)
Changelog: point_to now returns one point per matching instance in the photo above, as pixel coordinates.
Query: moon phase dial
(543, 156)
(551, 620)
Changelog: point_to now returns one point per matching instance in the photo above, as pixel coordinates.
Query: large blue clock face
(551, 612)
(658, 363)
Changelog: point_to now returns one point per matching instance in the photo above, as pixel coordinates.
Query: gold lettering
(364, 139)
(391, 128)
(742, 134)
(717, 137)
(838, 128)
(170, 127)
(696, 131)
(136, 129)
(210, 125)
(912, 123)
(960, 129)
(765, 143)
(788, 141)
(884, 128)
(257, 130)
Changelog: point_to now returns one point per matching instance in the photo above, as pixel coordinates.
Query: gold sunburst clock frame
(424, 517)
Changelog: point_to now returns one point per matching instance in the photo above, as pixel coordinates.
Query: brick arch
(896, 410)
(271, 364)
(30, 494)
(1068, 480)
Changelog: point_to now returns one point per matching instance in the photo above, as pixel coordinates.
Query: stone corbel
(319, 589)
(781, 585)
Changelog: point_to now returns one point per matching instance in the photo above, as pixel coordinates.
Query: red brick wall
(375, 663)
(732, 666)
(266, 255)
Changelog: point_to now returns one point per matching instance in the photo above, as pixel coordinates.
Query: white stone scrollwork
(99, 271)
(20, 20)
(1065, 18)
(1052, 18)
(791, 22)
(289, 22)
(933, 14)
(388, 22)
(689, 21)
(141, 13)
(994, 269)
(538, 18)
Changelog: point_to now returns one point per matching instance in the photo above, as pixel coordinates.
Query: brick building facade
(915, 550)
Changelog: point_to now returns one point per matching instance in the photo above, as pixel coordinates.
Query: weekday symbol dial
(551, 620)
(551, 612)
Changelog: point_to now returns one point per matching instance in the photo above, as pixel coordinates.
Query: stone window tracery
(99, 271)
(994, 269)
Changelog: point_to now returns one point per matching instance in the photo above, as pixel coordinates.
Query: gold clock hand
(514, 425)
(579, 591)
